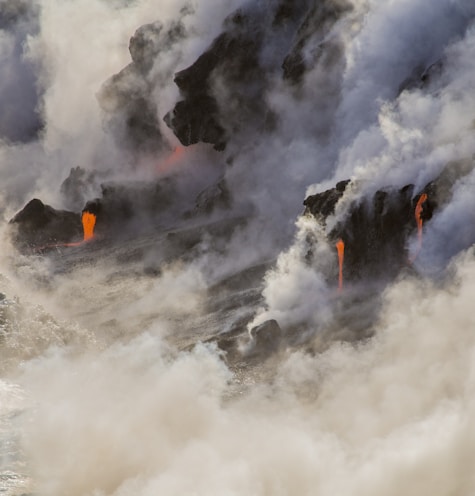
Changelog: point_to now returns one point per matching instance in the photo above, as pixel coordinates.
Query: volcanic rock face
(323, 204)
(78, 187)
(120, 209)
(317, 23)
(128, 97)
(121, 204)
(222, 91)
(266, 337)
(38, 225)
(233, 59)
(376, 230)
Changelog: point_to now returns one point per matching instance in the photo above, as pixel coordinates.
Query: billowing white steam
(115, 410)
(393, 414)
(385, 141)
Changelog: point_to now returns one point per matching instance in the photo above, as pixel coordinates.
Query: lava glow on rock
(340, 247)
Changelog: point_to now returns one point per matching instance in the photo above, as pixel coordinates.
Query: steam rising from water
(392, 414)
(109, 406)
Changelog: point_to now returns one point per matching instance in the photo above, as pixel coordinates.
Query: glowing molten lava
(418, 215)
(171, 160)
(340, 247)
(88, 224)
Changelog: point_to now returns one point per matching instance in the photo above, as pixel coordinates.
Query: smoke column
(111, 383)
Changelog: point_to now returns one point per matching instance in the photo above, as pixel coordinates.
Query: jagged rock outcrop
(128, 98)
(78, 186)
(121, 205)
(41, 226)
(323, 204)
(265, 338)
(223, 94)
(260, 343)
(224, 77)
(376, 229)
(120, 208)
(38, 225)
(375, 232)
(222, 91)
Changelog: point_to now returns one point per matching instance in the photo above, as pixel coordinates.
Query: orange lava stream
(417, 214)
(88, 224)
(340, 247)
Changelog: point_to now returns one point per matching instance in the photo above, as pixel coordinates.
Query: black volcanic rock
(323, 204)
(375, 233)
(123, 204)
(375, 230)
(314, 28)
(252, 346)
(128, 98)
(197, 121)
(39, 225)
(232, 58)
(121, 209)
(222, 91)
(222, 94)
(266, 337)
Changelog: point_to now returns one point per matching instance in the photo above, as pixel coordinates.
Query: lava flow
(172, 159)
(88, 224)
(340, 247)
(418, 215)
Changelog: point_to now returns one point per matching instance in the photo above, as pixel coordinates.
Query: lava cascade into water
(88, 225)
(418, 216)
(340, 247)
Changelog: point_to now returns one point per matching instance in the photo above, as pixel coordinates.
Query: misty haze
(237, 247)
